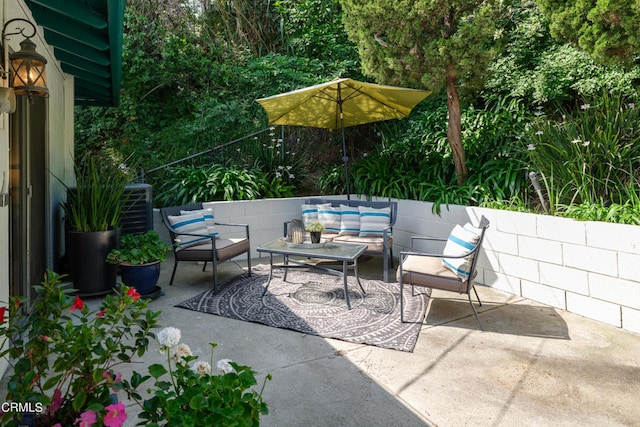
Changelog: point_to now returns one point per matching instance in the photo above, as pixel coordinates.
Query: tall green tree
(314, 29)
(609, 30)
(541, 71)
(433, 44)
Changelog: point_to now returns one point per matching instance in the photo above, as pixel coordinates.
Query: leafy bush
(589, 156)
(139, 249)
(276, 158)
(189, 392)
(187, 92)
(332, 181)
(627, 213)
(539, 70)
(64, 356)
(97, 202)
(314, 29)
(414, 162)
(190, 184)
(187, 184)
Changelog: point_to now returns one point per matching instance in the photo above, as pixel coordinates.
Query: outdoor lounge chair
(193, 230)
(453, 270)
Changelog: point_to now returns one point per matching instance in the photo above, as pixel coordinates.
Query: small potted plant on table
(139, 258)
(315, 229)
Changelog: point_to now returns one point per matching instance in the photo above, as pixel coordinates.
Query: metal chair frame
(467, 285)
(211, 256)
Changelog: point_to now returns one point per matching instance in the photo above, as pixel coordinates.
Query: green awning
(87, 39)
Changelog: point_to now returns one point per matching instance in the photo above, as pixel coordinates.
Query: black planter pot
(90, 272)
(315, 236)
(142, 277)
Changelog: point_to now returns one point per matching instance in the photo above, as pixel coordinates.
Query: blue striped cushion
(460, 241)
(310, 212)
(329, 216)
(349, 220)
(192, 224)
(208, 219)
(373, 221)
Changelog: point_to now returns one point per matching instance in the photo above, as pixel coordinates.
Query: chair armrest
(231, 224)
(426, 254)
(425, 239)
(434, 239)
(196, 235)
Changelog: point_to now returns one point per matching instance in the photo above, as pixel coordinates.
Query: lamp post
(25, 69)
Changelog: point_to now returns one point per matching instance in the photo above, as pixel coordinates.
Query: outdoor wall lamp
(24, 70)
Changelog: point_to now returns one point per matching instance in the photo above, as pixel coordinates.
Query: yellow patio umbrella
(341, 103)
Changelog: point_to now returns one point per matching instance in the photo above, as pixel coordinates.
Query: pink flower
(100, 313)
(78, 304)
(87, 419)
(116, 415)
(57, 425)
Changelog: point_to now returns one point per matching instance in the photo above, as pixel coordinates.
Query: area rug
(314, 303)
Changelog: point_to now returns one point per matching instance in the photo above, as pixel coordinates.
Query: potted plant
(139, 258)
(93, 213)
(315, 229)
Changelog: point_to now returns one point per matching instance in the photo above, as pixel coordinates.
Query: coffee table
(347, 253)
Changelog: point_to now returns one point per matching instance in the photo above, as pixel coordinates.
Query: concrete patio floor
(533, 365)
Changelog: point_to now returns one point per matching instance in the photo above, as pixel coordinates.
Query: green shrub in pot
(139, 258)
(98, 200)
(93, 214)
(139, 249)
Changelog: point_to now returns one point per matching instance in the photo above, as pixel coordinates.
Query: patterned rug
(314, 303)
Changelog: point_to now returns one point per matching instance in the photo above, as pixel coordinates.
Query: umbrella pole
(344, 149)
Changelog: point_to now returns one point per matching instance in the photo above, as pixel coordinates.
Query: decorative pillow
(310, 212)
(373, 221)
(208, 218)
(349, 220)
(192, 224)
(460, 241)
(329, 216)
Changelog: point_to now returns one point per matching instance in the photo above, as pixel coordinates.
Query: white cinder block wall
(588, 268)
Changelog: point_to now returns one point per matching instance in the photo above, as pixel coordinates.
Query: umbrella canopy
(341, 103)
